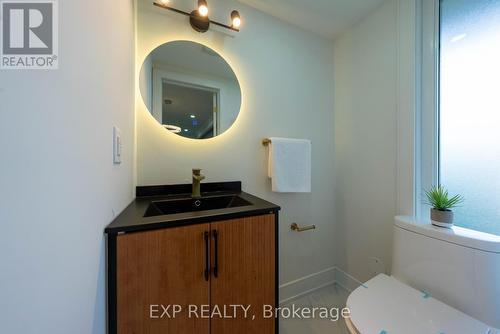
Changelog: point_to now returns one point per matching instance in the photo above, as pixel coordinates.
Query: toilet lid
(383, 305)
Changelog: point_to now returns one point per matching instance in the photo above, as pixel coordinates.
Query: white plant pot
(442, 218)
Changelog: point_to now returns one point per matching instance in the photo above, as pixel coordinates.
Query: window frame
(417, 104)
(428, 125)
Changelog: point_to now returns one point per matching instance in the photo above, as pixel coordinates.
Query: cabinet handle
(216, 253)
(207, 262)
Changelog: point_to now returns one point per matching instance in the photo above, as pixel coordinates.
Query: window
(469, 109)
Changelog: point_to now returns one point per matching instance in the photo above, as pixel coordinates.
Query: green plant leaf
(438, 197)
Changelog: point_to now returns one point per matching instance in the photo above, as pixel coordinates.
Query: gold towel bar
(266, 141)
(296, 227)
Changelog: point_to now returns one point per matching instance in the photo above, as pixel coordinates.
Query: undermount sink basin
(181, 205)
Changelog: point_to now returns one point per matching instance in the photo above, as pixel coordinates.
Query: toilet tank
(458, 266)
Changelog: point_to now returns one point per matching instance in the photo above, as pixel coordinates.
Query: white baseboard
(306, 284)
(345, 280)
(315, 281)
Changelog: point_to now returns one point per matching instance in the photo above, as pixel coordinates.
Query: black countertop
(132, 218)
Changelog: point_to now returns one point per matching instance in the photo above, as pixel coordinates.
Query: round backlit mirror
(190, 89)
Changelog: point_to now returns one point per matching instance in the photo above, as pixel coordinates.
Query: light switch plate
(117, 145)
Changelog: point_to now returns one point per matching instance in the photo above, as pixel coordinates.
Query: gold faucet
(197, 177)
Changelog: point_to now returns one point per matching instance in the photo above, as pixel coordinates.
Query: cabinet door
(162, 267)
(245, 273)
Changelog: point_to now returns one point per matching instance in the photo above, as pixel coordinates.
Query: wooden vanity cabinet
(246, 273)
(161, 267)
(212, 265)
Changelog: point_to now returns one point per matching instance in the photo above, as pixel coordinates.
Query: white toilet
(443, 281)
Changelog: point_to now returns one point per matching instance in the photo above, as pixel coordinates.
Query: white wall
(58, 185)
(365, 63)
(286, 77)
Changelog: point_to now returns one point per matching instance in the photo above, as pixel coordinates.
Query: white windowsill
(458, 235)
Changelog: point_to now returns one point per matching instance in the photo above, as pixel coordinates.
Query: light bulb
(235, 18)
(202, 8)
(236, 22)
(164, 2)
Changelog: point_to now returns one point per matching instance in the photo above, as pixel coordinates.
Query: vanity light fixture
(198, 18)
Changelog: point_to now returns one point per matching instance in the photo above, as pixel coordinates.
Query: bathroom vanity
(178, 264)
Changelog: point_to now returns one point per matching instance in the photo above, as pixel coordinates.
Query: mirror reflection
(190, 89)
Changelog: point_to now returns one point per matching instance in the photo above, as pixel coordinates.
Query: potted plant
(442, 203)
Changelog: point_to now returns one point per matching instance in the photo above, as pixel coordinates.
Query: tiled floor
(330, 297)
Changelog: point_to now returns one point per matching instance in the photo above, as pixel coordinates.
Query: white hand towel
(290, 165)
